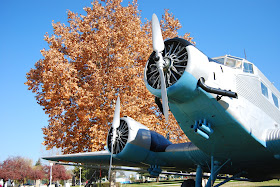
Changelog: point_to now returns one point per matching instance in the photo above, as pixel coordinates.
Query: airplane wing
(143, 149)
(92, 158)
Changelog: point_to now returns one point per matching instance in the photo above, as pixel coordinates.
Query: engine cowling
(135, 141)
(175, 57)
(183, 65)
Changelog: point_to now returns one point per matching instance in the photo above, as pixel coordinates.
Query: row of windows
(239, 63)
(235, 62)
(265, 93)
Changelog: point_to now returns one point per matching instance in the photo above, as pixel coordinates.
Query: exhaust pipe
(228, 93)
(202, 128)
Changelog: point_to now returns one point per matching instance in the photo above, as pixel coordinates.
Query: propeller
(115, 125)
(158, 46)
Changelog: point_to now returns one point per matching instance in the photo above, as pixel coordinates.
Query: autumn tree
(87, 172)
(16, 168)
(37, 171)
(90, 60)
(3, 173)
(58, 172)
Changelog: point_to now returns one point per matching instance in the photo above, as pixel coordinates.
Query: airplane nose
(180, 84)
(175, 58)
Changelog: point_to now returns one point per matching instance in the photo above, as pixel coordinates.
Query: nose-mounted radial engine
(166, 64)
(175, 58)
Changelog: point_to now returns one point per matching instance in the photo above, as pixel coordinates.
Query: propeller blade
(111, 162)
(115, 125)
(158, 44)
(116, 120)
(163, 94)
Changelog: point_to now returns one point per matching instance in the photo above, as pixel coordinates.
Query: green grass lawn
(177, 183)
(229, 184)
(252, 184)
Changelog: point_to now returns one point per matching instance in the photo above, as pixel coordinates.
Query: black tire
(188, 183)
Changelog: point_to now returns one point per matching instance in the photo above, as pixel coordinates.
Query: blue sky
(218, 27)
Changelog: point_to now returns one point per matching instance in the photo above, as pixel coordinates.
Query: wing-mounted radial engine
(134, 141)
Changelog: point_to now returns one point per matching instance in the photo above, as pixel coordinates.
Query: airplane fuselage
(244, 130)
(226, 107)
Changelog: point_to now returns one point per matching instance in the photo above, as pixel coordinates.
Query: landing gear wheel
(188, 183)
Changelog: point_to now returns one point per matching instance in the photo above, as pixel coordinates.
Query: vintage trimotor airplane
(225, 105)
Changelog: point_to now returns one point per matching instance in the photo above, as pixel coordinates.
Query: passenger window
(275, 100)
(264, 90)
(248, 68)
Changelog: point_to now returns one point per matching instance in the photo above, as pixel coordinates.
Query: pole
(198, 178)
(51, 164)
(100, 176)
(212, 170)
(80, 176)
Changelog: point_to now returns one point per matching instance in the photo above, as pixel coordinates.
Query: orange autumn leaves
(90, 60)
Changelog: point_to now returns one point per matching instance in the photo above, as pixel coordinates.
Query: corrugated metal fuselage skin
(237, 132)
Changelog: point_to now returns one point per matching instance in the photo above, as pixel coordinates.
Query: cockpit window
(233, 63)
(220, 60)
(230, 62)
(248, 68)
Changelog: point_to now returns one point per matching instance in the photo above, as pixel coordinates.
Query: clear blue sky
(218, 27)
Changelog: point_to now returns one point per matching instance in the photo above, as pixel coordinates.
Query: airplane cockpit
(235, 62)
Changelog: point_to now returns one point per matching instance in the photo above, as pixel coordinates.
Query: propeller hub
(167, 63)
(156, 58)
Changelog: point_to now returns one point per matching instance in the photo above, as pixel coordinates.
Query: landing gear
(188, 183)
(154, 170)
(198, 178)
(215, 169)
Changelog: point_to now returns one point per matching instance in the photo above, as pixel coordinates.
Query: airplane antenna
(245, 54)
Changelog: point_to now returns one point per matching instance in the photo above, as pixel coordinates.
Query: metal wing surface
(92, 158)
